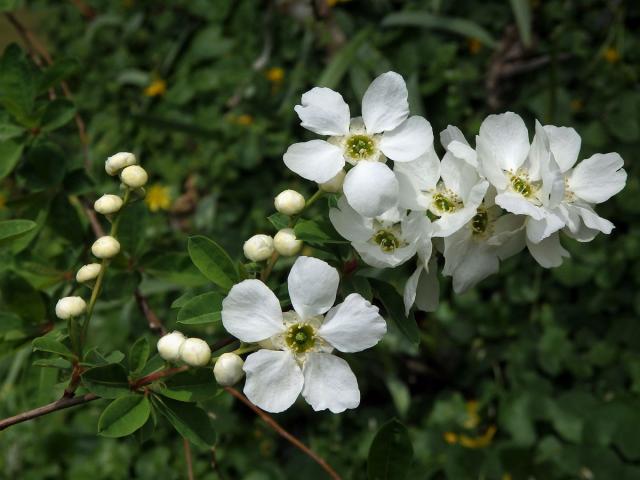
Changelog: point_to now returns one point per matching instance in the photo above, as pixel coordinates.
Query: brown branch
(154, 322)
(281, 431)
(152, 377)
(187, 456)
(64, 402)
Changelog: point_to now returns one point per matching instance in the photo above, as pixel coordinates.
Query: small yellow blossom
(611, 55)
(158, 198)
(507, 476)
(450, 437)
(275, 75)
(482, 441)
(473, 419)
(474, 46)
(244, 120)
(156, 88)
(333, 3)
(576, 104)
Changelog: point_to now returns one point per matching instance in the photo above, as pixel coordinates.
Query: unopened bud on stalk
(134, 176)
(169, 346)
(108, 204)
(117, 162)
(286, 242)
(228, 369)
(258, 248)
(68, 307)
(289, 202)
(195, 352)
(105, 247)
(89, 272)
(335, 184)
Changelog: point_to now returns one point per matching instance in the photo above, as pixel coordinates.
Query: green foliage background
(552, 358)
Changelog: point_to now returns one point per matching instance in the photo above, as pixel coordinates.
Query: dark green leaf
(108, 381)
(318, 232)
(279, 220)
(191, 386)
(212, 261)
(139, 354)
(18, 85)
(202, 309)
(11, 230)
(340, 62)
(391, 453)
(10, 153)
(57, 72)
(190, 421)
(124, 416)
(44, 166)
(394, 306)
(48, 344)
(9, 131)
(522, 12)
(57, 114)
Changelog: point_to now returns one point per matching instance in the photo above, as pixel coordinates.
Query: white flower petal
(274, 380)
(488, 164)
(374, 256)
(324, 112)
(464, 152)
(456, 247)
(251, 312)
(349, 223)
(452, 222)
(458, 176)
(594, 221)
(538, 230)
(385, 104)
(565, 145)
(507, 140)
(478, 264)
(416, 177)
(329, 383)
(516, 203)
(371, 188)
(549, 252)
(407, 141)
(428, 292)
(313, 285)
(452, 134)
(315, 160)
(353, 325)
(410, 289)
(598, 178)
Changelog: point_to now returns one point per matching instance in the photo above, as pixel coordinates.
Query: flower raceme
(297, 354)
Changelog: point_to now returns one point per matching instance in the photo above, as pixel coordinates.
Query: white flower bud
(88, 272)
(117, 162)
(335, 184)
(258, 248)
(169, 346)
(195, 352)
(68, 307)
(134, 176)
(289, 202)
(228, 369)
(108, 204)
(286, 243)
(105, 247)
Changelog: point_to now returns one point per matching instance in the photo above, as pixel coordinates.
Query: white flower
(590, 182)
(108, 204)
(297, 344)
(388, 240)
(89, 272)
(286, 243)
(105, 247)
(289, 202)
(258, 248)
(451, 190)
(134, 176)
(169, 346)
(422, 287)
(68, 307)
(385, 130)
(335, 184)
(228, 369)
(195, 352)
(117, 162)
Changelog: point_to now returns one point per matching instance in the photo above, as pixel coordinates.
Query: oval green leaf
(214, 263)
(390, 453)
(124, 416)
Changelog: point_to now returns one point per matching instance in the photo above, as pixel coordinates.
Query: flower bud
(335, 184)
(286, 243)
(105, 247)
(88, 272)
(169, 346)
(134, 176)
(228, 369)
(68, 307)
(289, 202)
(108, 204)
(195, 352)
(117, 162)
(258, 248)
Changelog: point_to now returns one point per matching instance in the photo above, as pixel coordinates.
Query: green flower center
(445, 204)
(300, 337)
(480, 222)
(522, 185)
(387, 240)
(360, 146)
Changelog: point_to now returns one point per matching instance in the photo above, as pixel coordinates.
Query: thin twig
(187, 456)
(64, 402)
(155, 324)
(281, 431)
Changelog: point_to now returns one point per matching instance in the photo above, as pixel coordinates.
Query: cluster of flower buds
(175, 347)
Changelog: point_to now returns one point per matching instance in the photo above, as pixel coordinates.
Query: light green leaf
(11, 230)
(212, 261)
(48, 344)
(202, 309)
(522, 12)
(124, 416)
(9, 131)
(340, 63)
(190, 421)
(391, 453)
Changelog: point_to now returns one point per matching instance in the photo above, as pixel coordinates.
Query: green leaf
(202, 309)
(18, 85)
(459, 26)
(391, 453)
(8, 5)
(190, 386)
(394, 306)
(57, 114)
(139, 354)
(522, 12)
(190, 421)
(279, 220)
(108, 381)
(54, 362)
(212, 261)
(318, 232)
(44, 166)
(48, 344)
(9, 131)
(124, 416)
(174, 267)
(11, 230)
(57, 72)
(340, 63)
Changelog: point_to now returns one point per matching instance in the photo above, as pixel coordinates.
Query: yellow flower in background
(275, 75)
(156, 88)
(482, 441)
(244, 119)
(507, 476)
(158, 198)
(471, 422)
(450, 437)
(576, 105)
(473, 419)
(333, 3)
(611, 55)
(474, 45)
